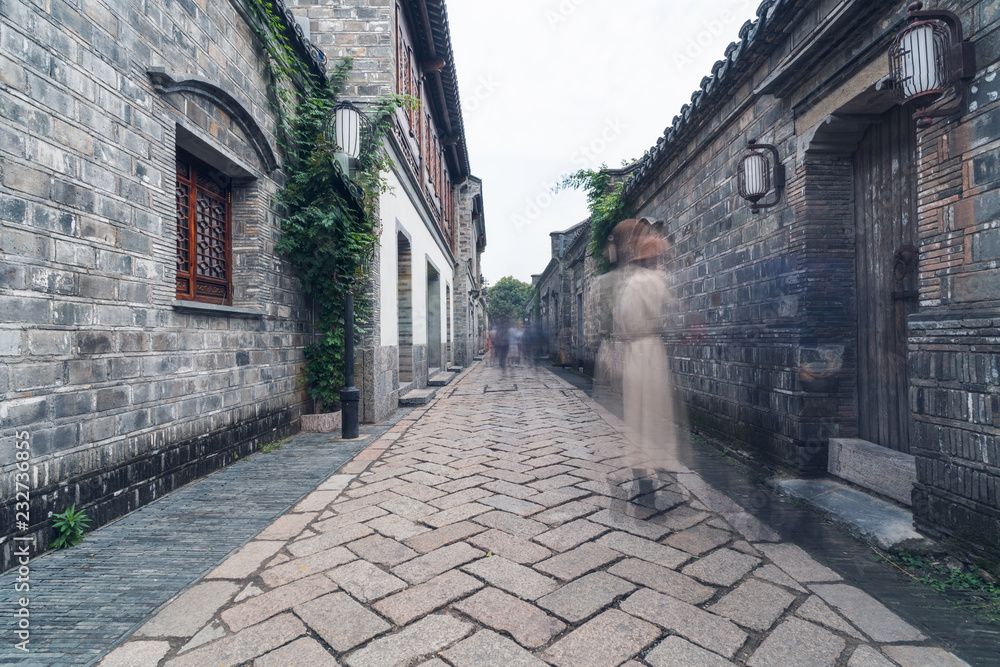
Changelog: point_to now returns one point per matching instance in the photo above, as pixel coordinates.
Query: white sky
(550, 86)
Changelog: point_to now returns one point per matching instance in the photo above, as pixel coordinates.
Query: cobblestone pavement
(84, 599)
(499, 526)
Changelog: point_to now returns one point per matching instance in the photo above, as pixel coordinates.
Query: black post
(349, 395)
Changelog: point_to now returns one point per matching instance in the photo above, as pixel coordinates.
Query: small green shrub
(273, 446)
(70, 526)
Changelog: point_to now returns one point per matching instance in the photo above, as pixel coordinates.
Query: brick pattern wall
(467, 255)
(762, 328)
(737, 314)
(954, 357)
(125, 396)
(361, 29)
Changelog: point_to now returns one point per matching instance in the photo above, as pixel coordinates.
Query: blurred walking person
(640, 302)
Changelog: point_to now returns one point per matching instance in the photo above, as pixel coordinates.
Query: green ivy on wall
(328, 233)
(606, 202)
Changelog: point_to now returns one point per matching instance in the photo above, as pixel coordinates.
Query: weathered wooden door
(886, 223)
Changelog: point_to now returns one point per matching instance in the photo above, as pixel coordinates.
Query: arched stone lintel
(837, 135)
(164, 82)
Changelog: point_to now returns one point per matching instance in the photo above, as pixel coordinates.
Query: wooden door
(885, 197)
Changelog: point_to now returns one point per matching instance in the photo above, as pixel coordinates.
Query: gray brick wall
(125, 395)
(758, 299)
(467, 254)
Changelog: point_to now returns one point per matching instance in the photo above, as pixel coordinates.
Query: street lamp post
(349, 395)
(349, 124)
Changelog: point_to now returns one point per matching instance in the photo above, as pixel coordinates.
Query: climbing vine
(606, 201)
(330, 226)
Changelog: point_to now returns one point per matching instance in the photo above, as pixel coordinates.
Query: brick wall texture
(125, 396)
(763, 325)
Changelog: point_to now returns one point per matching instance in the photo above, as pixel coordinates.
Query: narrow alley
(498, 526)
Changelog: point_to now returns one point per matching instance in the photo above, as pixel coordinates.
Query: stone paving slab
(753, 604)
(509, 546)
(796, 643)
(277, 600)
(488, 649)
(530, 626)
(602, 642)
(514, 578)
(586, 596)
(424, 637)
(644, 549)
(721, 568)
(868, 614)
(304, 651)
(365, 581)
(340, 621)
(663, 580)
(705, 629)
(243, 646)
(515, 528)
(415, 602)
(677, 652)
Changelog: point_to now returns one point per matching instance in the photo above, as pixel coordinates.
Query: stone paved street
(84, 599)
(499, 526)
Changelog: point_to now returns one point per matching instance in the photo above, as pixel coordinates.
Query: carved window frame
(197, 182)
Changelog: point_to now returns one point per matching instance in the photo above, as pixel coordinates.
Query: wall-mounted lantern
(927, 58)
(757, 177)
(347, 123)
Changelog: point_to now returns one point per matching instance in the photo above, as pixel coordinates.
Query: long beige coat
(646, 386)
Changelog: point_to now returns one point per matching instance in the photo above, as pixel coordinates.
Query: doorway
(885, 214)
(404, 299)
(433, 319)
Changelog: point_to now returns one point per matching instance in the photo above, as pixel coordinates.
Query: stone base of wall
(325, 422)
(115, 490)
(419, 367)
(971, 527)
(956, 440)
(377, 378)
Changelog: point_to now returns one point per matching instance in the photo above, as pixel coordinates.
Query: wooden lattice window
(204, 268)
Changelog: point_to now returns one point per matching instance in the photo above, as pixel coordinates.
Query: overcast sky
(550, 86)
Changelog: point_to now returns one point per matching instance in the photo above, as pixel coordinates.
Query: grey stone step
(455, 369)
(874, 520)
(879, 469)
(418, 396)
(440, 379)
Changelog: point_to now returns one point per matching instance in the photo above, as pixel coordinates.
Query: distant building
(560, 288)
(404, 48)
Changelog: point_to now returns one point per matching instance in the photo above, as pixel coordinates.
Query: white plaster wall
(399, 213)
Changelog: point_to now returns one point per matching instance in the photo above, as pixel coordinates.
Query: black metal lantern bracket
(777, 176)
(960, 62)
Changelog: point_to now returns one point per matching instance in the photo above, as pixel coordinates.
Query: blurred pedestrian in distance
(501, 341)
(489, 356)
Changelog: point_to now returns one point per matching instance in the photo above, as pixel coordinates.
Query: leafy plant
(272, 446)
(607, 205)
(507, 300)
(70, 526)
(943, 578)
(330, 223)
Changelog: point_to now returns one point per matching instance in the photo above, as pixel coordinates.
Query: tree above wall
(507, 301)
